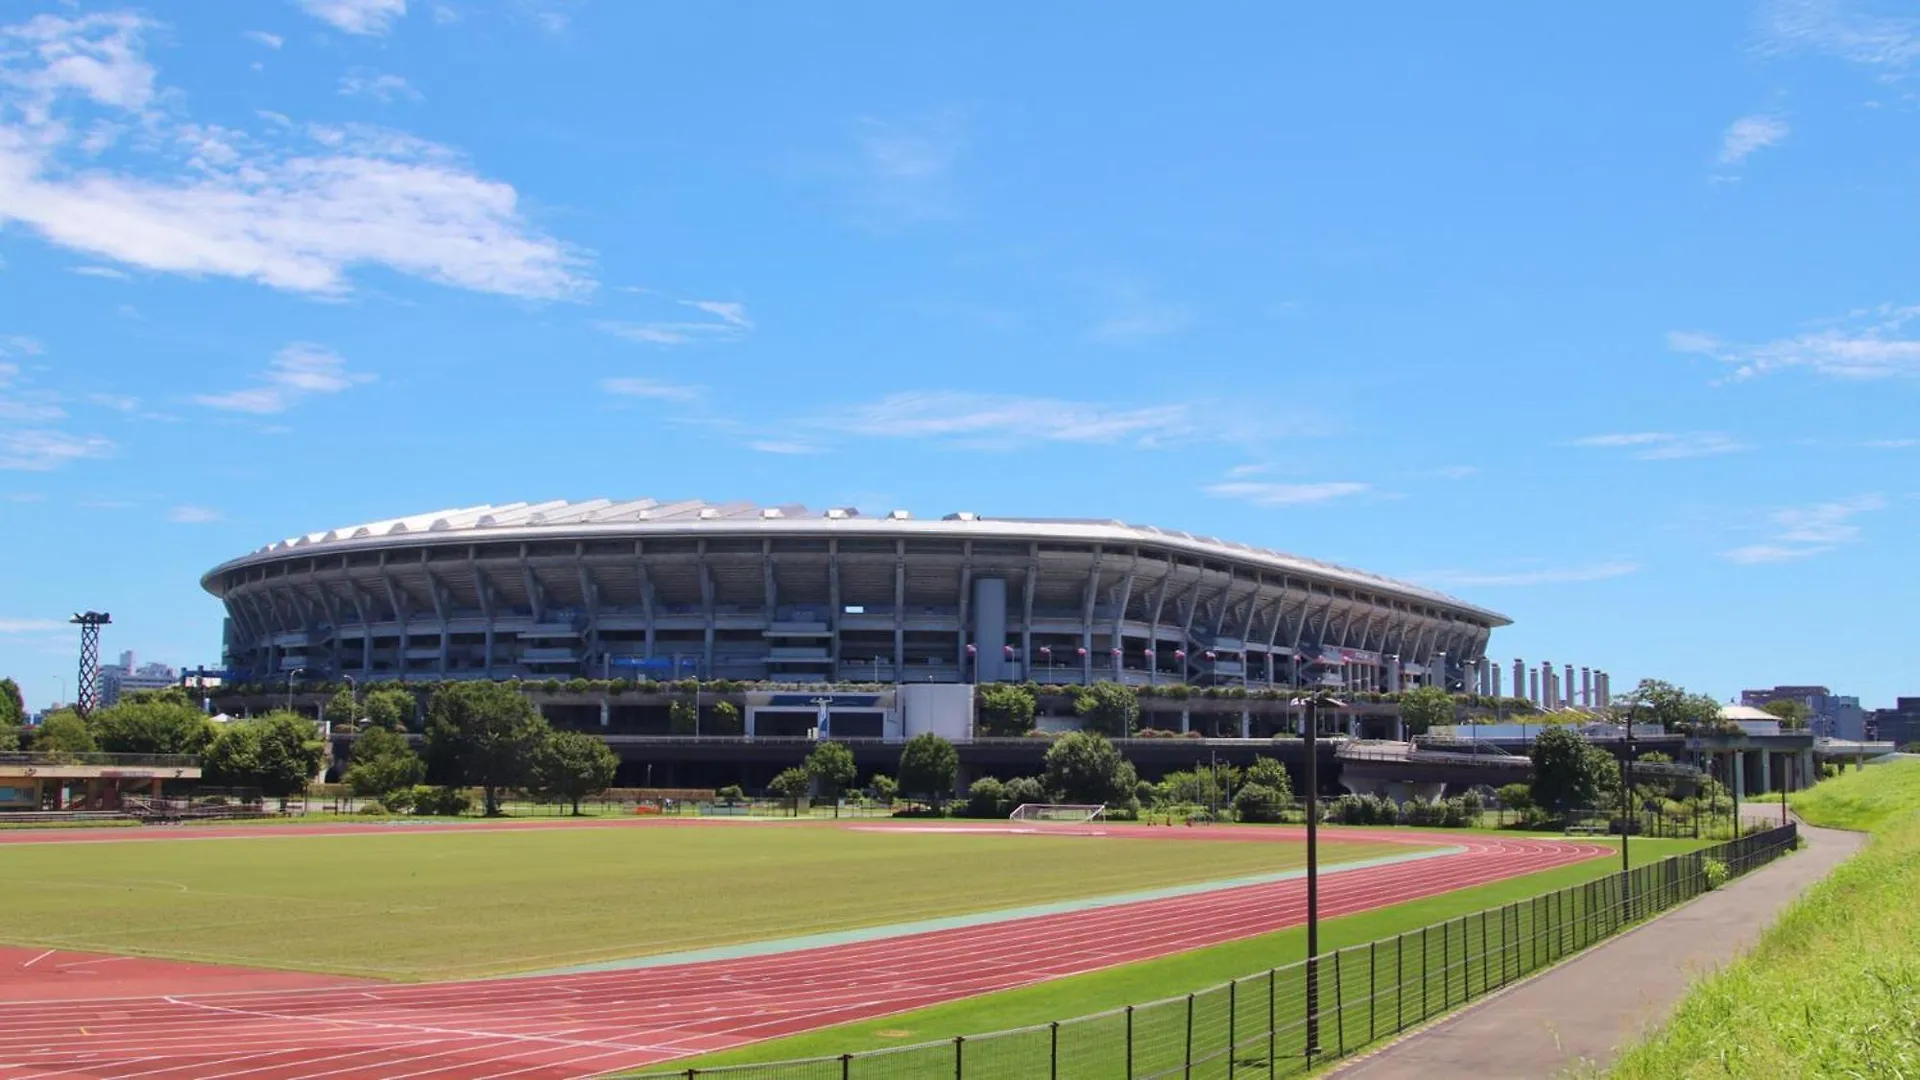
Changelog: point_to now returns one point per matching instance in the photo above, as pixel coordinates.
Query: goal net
(1057, 812)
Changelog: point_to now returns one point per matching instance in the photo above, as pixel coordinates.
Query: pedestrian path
(1584, 1011)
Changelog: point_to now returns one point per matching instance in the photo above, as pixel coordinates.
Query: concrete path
(1581, 1012)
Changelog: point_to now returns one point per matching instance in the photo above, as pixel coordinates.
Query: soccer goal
(1035, 811)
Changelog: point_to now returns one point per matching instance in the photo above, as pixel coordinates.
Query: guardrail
(146, 761)
(1262, 1025)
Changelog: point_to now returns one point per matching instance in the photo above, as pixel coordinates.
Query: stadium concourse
(103, 1017)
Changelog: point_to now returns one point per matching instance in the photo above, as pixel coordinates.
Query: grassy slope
(1172, 975)
(1833, 989)
(466, 902)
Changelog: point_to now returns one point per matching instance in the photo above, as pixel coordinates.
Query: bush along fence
(1261, 1026)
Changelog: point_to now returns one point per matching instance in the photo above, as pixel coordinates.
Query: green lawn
(462, 901)
(1833, 988)
(1175, 975)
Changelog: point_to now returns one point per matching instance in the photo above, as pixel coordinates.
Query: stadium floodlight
(1079, 813)
(1313, 703)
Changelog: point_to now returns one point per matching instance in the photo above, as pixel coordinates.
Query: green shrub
(1258, 803)
(986, 798)
(441, 801)
(1025, 789)
(1715, 872)
(374, 809)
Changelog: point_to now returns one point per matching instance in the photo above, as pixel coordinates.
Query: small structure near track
(62, 781)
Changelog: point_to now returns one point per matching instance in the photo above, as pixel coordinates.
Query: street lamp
(1626, 817)
(1313, 703)
(290, 675)
(1046, 653)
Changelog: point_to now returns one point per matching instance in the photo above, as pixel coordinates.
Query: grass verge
(1171, 975)
(1833, 988)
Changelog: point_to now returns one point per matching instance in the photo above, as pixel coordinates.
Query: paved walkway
(1583, 1011)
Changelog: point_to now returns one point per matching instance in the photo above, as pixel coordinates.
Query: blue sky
(1606, 318)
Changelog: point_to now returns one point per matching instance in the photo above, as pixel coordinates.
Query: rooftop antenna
(87, 693)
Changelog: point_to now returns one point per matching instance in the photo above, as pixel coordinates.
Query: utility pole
(86, 694)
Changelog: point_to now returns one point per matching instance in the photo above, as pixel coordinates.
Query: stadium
(647, 589)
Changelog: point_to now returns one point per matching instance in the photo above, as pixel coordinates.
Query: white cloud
(650, 388)
(445, 14)
(1804, 531)
(379, 86)
(1892, 444)
(1456, 472)
(192, 515)
(34, 626)
(291, 207)
(18, 345)
(40, 449)
(1262, 493)
(295, 372)
(673, 332)
(1141, 321)
(987, 420)
(116, 402)
(1565, 575)
(1667, 445)
(1867, 344)
(30, 410)
(367, 17)
(904, 170)
(783, 446)
(1748, 134)
(1834, 27)
(261, 37)
(733, 314)
(102, 272)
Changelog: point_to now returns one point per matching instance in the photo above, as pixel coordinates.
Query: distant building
(1899, 725)
(1834, 716)
(126, 677)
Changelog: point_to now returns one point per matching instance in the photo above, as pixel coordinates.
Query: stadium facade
(645, 589)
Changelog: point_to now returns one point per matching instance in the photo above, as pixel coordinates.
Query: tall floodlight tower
(87, 692)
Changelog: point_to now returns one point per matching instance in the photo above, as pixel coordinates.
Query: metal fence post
(1373, 985)
(1233, 1028)
(1189, 1062)
(1339, 1006)
(1053, 1050)
(846, 1066)
(1273, 1028)
(1129, 1042)
(1446, 966)
(1399, 982)
(1423, 973)
(959, 1057)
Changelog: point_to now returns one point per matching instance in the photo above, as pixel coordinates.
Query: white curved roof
(560, 518)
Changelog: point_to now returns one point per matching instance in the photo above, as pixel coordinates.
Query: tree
(1793, 714)
(383, 763)
(986, 798)
(1006, 709)
(1108, 708)
(484, 735)
(832, 769)
(928, 766)
(683, 718)
(1083, 767)
(161, 723)
(792, 785)
(730, 794)
(726, 719)
(1674, 709)
(884, 789)
(342, 708)
(63, 732)
(1424, 708)
(390, 707)
(1269, 773)
(1568, 772)
(13, 707)
(291, 754)
(573, 765)
(1258, 803)
(1025, 789)
(232, 756)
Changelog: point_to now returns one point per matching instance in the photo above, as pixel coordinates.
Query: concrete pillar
(1186, 719)
(1766, 772)
(1533, 688)
(1520, 678)
(1494, 677)
(1569, 690)
(1246, 724)
(1739, 785)
(1586, 687)
(606, 713)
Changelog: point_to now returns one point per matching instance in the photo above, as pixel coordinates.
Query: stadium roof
(586, 518)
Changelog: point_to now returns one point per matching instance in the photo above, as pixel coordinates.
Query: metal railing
(1259, 1026)
(142, 761)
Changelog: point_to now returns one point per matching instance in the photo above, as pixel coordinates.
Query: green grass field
(466, 901)
(1833, 988)
(1171, 976)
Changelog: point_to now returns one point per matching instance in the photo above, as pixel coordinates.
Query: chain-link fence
(1284, 1021)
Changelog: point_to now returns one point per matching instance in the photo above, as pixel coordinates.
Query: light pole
(1626, 819)
(876, 671)
(290, 676)
(1313, 703)
(1046, 653)
(353, 698)
(973, 654)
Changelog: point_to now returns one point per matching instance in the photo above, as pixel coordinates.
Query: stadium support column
(1546, 685)
(900, 612)
(1493, 679)
(1568, 687)
(1586, 687)
(1533, 689)
(1519, 678)
(990, 628)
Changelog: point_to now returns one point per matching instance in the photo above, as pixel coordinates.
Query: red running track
(549, 1027)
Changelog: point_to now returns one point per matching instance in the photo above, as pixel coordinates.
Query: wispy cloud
(650, 388)
(997, 421)
(1560, 575)
(783, 446)
(295, 372)
(1666, 445)
(371, 18)
(192, 515)
(102, 272)
(1146, 320)
(261, 37)
(1751, 133)
(1803, 531)
(379, 86)
(1264, 493)
(903, 172)
(1456, 472)
(117, 402)
(34, 626)
(1838, 28)
(1868, 344)
(41, 449)
(291, 206)
(734, 314)
(18, 345)
(1891, 444)
(730, 323)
